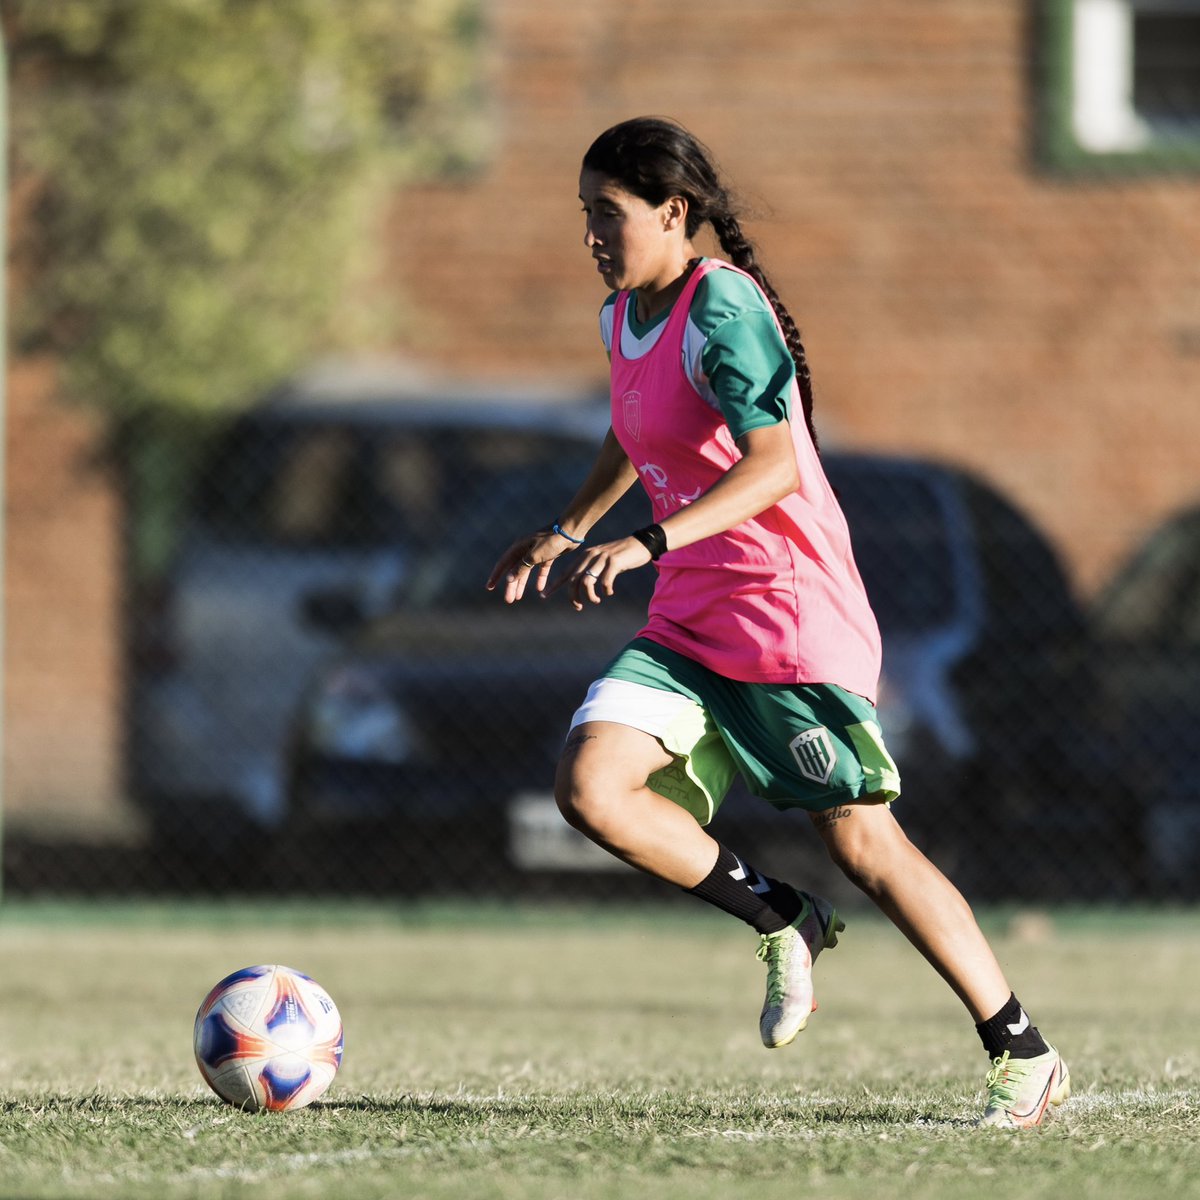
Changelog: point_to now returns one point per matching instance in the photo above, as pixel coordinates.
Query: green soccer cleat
(1022, 1090)
(789, 955)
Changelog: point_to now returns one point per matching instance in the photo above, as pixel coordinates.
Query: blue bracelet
(557, 528)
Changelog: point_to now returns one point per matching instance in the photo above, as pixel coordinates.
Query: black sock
(1010, 1030)
(737, 888)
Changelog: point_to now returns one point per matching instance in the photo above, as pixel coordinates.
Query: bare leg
(865, 840)
(601, 791)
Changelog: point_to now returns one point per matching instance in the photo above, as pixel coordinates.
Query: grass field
(586, 1054)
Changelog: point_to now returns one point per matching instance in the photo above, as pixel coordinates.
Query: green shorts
(809, 746)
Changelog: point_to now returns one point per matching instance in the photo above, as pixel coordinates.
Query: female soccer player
(760, 653)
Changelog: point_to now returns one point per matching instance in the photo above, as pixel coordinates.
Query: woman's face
(634, 243)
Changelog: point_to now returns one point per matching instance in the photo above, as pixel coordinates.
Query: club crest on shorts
(814, 754)
(631, 410)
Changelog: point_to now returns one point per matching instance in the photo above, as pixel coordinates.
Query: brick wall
(61, 592)
(955, 300)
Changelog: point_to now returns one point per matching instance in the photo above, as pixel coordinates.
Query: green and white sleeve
(735, 355)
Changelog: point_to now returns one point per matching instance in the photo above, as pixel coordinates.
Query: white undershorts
(651, 710)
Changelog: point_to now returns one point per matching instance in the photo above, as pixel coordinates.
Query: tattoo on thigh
(576, 740)
(824, 819)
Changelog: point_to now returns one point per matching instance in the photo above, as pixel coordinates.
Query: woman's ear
(674, 213)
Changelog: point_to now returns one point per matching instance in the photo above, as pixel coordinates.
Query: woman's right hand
(611, 476)
(533, 555)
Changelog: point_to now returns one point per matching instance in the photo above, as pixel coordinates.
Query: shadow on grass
(873, 1112)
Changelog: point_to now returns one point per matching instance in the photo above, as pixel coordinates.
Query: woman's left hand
(596, 568)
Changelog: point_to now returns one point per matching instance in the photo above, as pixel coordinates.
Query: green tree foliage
(204, 175)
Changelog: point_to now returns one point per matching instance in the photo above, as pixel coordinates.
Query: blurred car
(439, 725)
(988, 698)
(437, 716)
(319, 500)
(1147, 627)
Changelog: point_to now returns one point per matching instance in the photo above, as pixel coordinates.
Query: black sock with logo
(737, 888)
(1010, 1030)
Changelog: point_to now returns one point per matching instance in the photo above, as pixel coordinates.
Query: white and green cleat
(1022, 1090)
(789, 955)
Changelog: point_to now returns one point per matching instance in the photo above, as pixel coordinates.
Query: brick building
(959, 295)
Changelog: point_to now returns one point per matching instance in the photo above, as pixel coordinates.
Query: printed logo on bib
(657, 484)
(631, 409)
(814, 754)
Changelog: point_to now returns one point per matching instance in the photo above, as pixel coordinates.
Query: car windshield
(303, 484)
(506, 504)
(461, 494)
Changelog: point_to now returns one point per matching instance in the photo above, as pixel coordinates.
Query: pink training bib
(777, 599)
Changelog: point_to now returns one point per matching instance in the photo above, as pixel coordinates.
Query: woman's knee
(577, 799)
(602, 768)
(586, 792)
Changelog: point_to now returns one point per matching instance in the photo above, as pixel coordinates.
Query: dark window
(1166, 69)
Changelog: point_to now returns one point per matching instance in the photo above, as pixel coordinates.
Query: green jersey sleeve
(738, 354)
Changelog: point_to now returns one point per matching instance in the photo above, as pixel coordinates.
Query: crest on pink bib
(631, 409)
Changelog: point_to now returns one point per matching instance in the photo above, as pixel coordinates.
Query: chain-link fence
(320, 694)
(254, 653)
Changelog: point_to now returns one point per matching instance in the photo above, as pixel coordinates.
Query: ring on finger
(526, 563)
(591, 574)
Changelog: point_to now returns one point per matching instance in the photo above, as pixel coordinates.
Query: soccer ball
(268, 1037)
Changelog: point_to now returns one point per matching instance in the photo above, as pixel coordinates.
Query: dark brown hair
(655, 159)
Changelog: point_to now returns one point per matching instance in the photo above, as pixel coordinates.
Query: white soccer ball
(268, 1037)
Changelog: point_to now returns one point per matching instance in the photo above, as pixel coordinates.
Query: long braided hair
(655, 159)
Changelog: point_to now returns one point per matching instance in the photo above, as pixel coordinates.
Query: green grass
(587, 1054)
